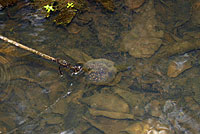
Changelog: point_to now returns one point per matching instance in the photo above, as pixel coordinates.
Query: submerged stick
(27, 48)
(62, 63)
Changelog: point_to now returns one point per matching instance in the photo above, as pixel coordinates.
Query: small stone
(177, 67)
(137, 128)
(133, 4)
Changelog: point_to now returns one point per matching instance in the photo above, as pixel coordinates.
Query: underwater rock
(136, 101)
(133, 4)
(65, 10)
(193, 106)
(101, 71)
(73, 28)
(154, 108)
(180, 47)
(177, 67)
(106, 34)
(196, 13)
(113, 115)
(107, 102)
(191, 35)
(7, 121)
(150, 126)
(143, 47)
(3, 129)
(193, 84)
(173, 14)
(107, 4)
(144, 39)
(181, 121)
(108, 126)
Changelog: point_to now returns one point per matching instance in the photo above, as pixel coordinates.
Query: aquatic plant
(63, 11)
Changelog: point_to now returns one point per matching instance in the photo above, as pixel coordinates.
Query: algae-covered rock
(65, 10)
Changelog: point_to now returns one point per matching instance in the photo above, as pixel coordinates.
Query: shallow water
(154, 94)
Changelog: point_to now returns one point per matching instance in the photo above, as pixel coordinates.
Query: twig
(62, 63)
(27, 48)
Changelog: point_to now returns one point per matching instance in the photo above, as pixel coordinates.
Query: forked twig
(61, 62)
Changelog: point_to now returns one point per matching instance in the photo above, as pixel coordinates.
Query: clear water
(34, 98)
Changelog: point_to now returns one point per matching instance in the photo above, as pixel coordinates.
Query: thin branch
(27, 48)
(63, 63)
